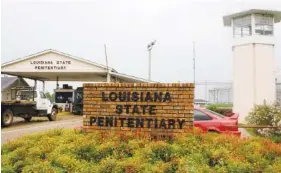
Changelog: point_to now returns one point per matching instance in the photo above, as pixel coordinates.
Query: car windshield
(215, 113)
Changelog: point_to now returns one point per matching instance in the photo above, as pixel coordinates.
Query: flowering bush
(73, 151)
(266, 115)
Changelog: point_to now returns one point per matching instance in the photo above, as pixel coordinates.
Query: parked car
(210, 121)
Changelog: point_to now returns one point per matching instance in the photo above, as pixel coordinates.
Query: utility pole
(149, 48)
(194, 61)
(107, 69)
(206, 91)
(194, 68)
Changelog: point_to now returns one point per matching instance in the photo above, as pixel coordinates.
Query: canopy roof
(50, 65)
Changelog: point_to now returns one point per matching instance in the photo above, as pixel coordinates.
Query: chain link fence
(224, 94)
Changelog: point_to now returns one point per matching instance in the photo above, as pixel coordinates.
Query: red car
(210, 121)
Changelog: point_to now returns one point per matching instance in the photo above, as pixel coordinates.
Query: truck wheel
(53, 115)
(7, 118)
(27, 119)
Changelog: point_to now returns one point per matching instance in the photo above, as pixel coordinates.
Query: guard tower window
(263, 24)
(242, 26)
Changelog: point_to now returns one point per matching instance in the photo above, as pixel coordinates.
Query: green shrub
(160, 151)
(8, 169)
(212, 107)
(45, 167)
(223, 109)
(266, 115)
(68, 151)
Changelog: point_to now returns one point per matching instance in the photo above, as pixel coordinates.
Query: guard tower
(253, 58)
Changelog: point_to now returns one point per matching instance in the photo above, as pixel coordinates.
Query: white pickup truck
(28, 103)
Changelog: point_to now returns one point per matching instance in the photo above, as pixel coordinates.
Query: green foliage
(50, 96)
(222, 105)
(266, 115)
(212, 107)
(221, 108)
(72, 151)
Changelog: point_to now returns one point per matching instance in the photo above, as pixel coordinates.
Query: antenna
(107, 69)
(194, 61)
(194, 66)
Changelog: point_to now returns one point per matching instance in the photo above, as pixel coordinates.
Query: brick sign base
(150, 108)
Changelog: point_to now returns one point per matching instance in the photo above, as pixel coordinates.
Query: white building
(53, 65)
(278, 88)
(253, 58)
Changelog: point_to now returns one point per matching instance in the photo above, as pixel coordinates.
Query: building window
(242, 26)
(263, 24)
(63, 97)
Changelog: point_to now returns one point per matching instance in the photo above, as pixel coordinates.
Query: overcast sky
(80, 28)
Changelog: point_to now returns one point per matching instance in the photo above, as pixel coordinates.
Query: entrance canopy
(52, 65)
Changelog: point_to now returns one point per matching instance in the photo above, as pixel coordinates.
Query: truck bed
(15, 102)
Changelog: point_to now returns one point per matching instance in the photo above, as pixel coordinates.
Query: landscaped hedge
(74, 151)
(221, 108)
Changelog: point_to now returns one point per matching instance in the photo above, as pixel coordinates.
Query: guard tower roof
(276, 15)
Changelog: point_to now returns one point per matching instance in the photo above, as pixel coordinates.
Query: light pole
(149, 48)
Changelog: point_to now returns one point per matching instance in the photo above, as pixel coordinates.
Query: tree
(50, 96)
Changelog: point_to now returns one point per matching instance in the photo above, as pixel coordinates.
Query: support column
(34, 88)
(43, 86)
(253, 24)
(108, 78)
(35, 84)
(57, 82)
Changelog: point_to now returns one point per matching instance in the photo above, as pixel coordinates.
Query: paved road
(20, 128)
(11, 133)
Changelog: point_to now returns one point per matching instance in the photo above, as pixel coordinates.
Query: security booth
(64, 97)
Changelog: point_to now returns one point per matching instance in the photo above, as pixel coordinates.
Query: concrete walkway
(244, 133)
